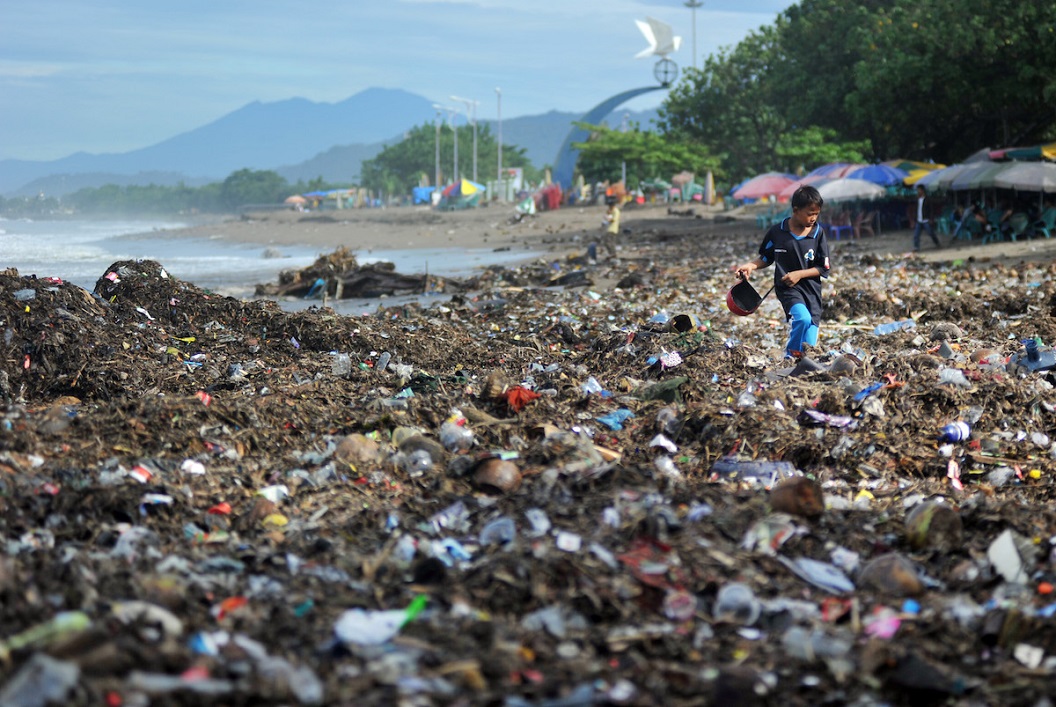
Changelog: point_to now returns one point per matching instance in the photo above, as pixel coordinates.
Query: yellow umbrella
(915, 175)
(912, 165)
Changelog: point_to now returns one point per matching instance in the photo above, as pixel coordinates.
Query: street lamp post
(452, 118)
(498, 95)
(471, 105)
(439, 119)
(693, 5)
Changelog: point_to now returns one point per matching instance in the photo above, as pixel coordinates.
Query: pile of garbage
(529, 495)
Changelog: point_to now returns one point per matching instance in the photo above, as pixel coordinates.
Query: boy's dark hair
(807, 196)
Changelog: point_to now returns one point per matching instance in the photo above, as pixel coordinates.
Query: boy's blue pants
(803, 329)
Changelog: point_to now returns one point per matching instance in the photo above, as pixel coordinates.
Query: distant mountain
(297, 138)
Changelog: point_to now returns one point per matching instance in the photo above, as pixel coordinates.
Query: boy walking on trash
(799, 250)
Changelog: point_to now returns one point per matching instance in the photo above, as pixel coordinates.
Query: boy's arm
(795, 276)
(745, 270)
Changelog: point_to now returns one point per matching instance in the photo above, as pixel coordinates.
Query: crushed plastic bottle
(383, 362)
(892, 327)
(954, 376)
(341, 365)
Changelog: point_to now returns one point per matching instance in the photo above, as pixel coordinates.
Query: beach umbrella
(980, 155)
(463, 187)
(978, 175)
(467, 187)
(847, 189)
(909, 166)
(915, 175)
(295, 199)
(1037, 152)
(1028, 176)
(834, 170)
(763, 186)
(786, 193)
(880, 174)
(942, 178)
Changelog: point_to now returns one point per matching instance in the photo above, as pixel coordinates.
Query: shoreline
(561, 233)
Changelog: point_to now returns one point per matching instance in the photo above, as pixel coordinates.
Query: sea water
(80, 251)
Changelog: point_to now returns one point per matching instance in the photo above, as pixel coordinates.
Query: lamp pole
(452, 118)
(439, 119)
(693, 5)
(471, 105)
(498, 95)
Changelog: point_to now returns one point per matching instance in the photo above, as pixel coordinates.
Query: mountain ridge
(296, 137)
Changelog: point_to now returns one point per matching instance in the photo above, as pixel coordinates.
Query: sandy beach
(561, 232)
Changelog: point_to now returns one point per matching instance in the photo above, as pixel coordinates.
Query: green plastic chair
(1046, 224)
(778, 217)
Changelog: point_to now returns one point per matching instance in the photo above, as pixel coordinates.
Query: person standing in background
(923, 220)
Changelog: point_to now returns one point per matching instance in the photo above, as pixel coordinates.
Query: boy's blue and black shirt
(788, 252)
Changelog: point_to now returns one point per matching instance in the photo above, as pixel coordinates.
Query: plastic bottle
(591, 385)
(383, 362)
(955, 432)
(892, 327)
(342, 364)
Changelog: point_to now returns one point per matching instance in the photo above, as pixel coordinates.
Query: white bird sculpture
(660, 37)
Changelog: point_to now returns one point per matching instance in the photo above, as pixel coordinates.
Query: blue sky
(116, 75)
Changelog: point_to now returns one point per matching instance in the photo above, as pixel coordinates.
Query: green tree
(920, 79)
(944, 78)
(248, 186)
(812, 147)
(412, 161)
(647, 155)
(728, 106)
